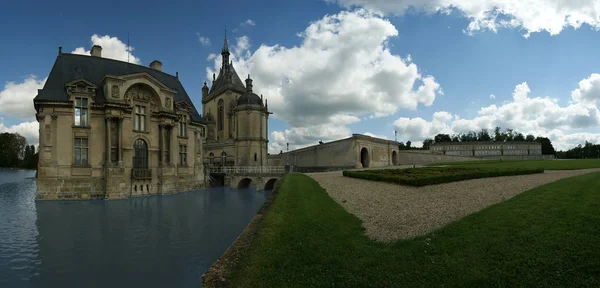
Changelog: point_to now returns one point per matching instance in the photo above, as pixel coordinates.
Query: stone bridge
(245, 176)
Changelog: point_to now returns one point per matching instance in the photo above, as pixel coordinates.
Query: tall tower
(252, 116)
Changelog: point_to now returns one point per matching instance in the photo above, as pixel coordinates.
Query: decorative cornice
(40, 116)
(54, 116)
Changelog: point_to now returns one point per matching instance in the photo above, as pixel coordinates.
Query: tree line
(484, 135)
(15, 153)
(586, 151)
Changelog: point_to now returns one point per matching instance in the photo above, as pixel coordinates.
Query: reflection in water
(160, 241)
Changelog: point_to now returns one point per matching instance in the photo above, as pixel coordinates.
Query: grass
(435, 175)
(545, 237)
(528, 164)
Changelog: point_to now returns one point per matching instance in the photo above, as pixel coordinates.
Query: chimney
(204, 90)
(96, 51)
(156, 65)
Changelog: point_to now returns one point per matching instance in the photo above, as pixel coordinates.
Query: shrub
(434, 175)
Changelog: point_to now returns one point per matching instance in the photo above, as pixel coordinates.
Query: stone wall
(409, 157)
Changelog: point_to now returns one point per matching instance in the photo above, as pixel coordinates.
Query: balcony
(141, 174)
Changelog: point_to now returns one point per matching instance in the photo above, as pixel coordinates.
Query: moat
(155, 241)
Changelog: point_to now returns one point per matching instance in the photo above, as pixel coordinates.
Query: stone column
(160, 145)
(120, 145)
(108, 120)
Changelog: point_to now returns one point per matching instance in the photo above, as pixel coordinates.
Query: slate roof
(69, 67)
(249, 98)
(227, 77)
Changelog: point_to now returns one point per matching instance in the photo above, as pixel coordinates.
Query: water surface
(157, 241)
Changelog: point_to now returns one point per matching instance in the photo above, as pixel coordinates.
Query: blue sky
(334, 67)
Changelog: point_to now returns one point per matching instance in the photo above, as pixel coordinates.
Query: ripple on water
(164, 241)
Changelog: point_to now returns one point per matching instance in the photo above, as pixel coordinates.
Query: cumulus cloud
(342, 68)
(16, 99)
(248, 22)
(375, 135)
(205, 41)
(29, 130)
(529, 115)
(112, 48)
(529, 15)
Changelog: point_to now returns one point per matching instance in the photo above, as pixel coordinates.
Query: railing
(248, 170)
(139, 174)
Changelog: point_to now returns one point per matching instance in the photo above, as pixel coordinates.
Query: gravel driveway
(391, 211)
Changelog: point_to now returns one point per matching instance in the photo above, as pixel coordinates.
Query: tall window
(140, 118)
(220, 115)
(211, 158)
(81, 111)
(182, 155)
(140, 156)
(80, 151)
(223, 158)
(183, 126)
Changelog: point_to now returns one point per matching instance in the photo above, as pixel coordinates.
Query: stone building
(488, 149)
(237, 119)
(357, 151)
(112, 129)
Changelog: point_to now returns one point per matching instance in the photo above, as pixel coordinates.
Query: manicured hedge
(434, 175)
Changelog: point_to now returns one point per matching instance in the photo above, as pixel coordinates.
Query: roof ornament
(214, 77)
(59, 50)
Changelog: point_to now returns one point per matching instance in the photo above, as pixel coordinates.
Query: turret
(204, 90)
(225, 52)
(249, 84)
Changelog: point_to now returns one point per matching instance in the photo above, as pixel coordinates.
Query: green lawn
(528, 164)
(435, 175)
(546, 237)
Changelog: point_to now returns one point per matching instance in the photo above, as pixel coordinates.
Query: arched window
(140, 156)
(223, 158)
(255, 157)
(211, 158)
(220, 115)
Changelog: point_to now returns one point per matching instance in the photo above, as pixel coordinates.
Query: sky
(331, 68)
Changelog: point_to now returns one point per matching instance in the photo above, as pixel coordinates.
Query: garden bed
(435, 175)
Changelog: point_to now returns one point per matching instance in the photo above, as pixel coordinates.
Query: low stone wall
(320, 168)
(408, 157)
(516, 157)
(69, 189)
(218, 274)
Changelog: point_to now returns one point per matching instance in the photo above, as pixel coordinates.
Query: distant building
(485, 149)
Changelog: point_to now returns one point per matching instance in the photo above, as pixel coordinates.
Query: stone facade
(358, 151)
(485, 149)
(111, 129)
(237, 122)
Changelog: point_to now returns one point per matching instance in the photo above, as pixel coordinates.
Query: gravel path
(390, 211)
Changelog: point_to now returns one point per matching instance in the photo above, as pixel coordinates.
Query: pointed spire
(225, 46)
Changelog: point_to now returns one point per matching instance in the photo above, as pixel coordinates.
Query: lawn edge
(218, 275)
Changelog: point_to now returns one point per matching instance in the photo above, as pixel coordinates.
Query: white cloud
(342, 67)
(492, 96)
(205, 41)
(540, 116)
(375, 135)
(112, 48)
(532, 16)
(29, 130)
(16, 99)
(248, 22)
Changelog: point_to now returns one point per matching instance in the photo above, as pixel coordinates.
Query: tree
(441, 138)
(427, 143)
(483, 135)
(401, 146)
(408, 144)
(498, 135)
(519, 137)
(455, 138)
(530, 138)
(547, 148)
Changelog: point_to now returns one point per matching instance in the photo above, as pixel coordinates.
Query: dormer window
(81, 111)
(183, 126)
